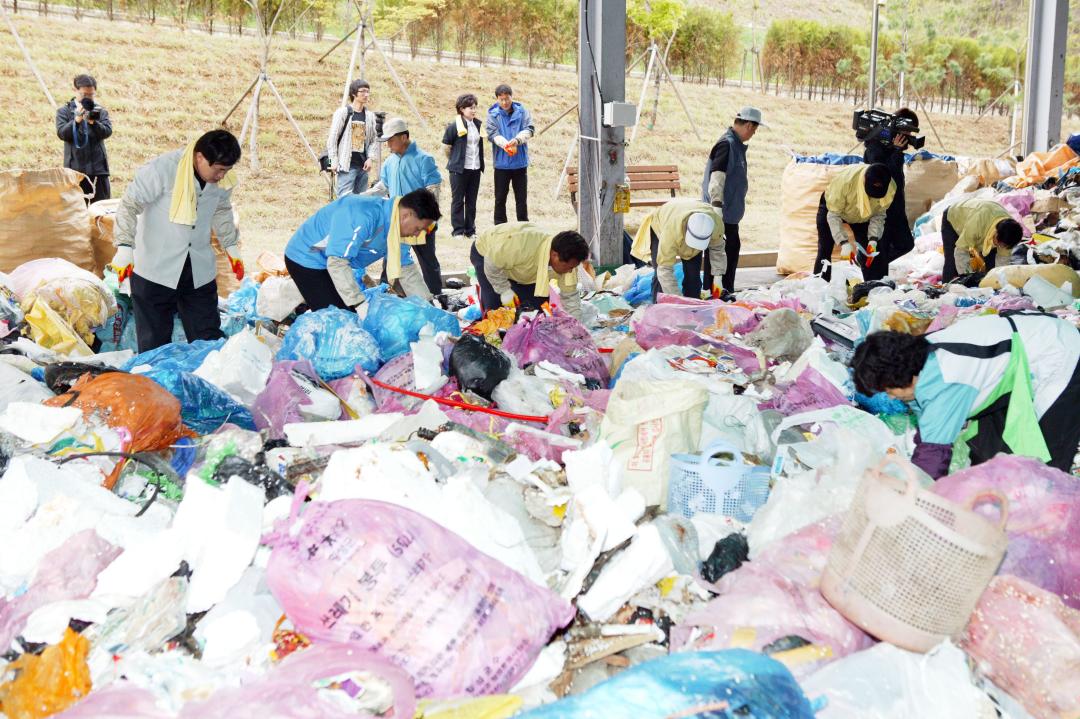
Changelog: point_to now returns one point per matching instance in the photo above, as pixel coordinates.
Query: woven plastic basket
(909, 566)
(707, 484)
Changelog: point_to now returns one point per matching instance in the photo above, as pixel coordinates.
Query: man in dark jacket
(897, 240)
(84, 125)
(725, 184)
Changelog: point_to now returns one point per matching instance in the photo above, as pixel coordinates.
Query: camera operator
(897, 240)
(84, 125)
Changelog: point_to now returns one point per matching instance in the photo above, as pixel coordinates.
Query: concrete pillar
(1044, 77)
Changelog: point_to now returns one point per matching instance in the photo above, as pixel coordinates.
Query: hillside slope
(164, 87)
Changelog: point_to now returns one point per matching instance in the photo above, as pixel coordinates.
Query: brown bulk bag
(801, 188)
(926, 182)
(43, 214)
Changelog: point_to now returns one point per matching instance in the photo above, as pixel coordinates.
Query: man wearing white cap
(681, 229)
(408, 168)
(725, 183)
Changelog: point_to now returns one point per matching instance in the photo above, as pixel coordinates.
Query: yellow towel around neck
(393, 244)
(183, 209)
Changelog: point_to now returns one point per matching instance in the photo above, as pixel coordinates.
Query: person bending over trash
(1001, 383)
(682, 229)
(351, 233)
(974, 230)
(180, 197)
(520, 259)
(859, 195)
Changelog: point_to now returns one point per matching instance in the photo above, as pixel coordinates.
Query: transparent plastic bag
(334, 341)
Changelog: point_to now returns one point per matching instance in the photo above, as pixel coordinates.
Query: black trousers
(98, 187)
(825, 246)
(692, 268)
(1060, 427)
(316, 286)
(520, 180)
(489, 298)
(732, 248)
(464, 187)
(949, 237)
(897, 240)
(155, 307)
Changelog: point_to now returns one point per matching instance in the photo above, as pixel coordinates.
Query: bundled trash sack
(732, 683)
(176, 356)
(333, 340)
(560, 339)
(478, 366)
(394, 321)
(203, 406)
(387, 580)
(138, 404)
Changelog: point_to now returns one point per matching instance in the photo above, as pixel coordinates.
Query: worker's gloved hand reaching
(847, 251)
(509, 300)
(123, 262)
(871, 251)
(235, 263)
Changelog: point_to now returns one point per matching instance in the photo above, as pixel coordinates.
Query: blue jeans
(352, 182)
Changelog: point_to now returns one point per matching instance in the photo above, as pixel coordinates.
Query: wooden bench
(642, 178)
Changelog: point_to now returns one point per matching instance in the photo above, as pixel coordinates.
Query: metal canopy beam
(601, 79)
(1044, 82)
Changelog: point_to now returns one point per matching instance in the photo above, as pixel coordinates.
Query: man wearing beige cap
(725, 183)
(681, 229)
(405, 169)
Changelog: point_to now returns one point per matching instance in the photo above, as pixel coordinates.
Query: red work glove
(237, 265)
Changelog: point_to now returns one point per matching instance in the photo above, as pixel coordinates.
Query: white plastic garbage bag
(886, 682)
(277, 298)
(241, 367)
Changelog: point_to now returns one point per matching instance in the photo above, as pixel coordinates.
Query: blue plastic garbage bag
(333, 340)
(239, 309)
(394, 322)
(176, 356)
(641, 291)
(203, 406)
(881, 403)
(829, 158)
(118, 332)
(704, 685)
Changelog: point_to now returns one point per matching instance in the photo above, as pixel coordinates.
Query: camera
(883, 127)
(93, 111)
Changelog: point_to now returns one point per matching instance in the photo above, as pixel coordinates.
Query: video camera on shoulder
(883, 127)
(93, 111)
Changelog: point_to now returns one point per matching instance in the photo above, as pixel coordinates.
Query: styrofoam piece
(314, 434)
(37, 424)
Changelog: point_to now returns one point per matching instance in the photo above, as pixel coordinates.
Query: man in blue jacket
(408, 168)
(509, 126)
(351, 233)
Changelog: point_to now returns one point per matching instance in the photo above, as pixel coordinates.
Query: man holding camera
(84, 125)
(887, 148)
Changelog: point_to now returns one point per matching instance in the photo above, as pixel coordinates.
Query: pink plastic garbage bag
(1044, 519)
(559, 339)
(691, 322)
(776, 596)
(117, 701)
(1028, 643)
(280, 401)
(68, 572)
(808, 392)
(385, 579)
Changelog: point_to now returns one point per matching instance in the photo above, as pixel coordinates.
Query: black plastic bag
(59, 376)
(478, 366)
(727, 556)
(862, 289)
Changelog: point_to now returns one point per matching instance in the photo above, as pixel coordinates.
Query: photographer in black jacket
(84, 125)
(897, 240)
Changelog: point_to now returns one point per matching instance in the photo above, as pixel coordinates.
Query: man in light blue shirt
(351, 233)
(408, 168)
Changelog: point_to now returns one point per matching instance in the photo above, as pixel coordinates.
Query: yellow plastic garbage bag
(499, 706)
(49, 330)
(48, 683)
(83, 305)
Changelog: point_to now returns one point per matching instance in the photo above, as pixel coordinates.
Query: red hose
(459, 405)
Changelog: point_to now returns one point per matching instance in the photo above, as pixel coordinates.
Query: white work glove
(123, 262)
(508, 299)
(235, 262)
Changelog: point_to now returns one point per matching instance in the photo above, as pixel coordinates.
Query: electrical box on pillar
(620, 114)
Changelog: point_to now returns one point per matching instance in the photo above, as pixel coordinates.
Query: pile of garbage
(670, 509)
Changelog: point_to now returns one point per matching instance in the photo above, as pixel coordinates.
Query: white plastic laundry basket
(909, 566)
(707, 484)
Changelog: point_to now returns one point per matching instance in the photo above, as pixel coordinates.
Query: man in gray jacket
(351, 140)
(162, 238)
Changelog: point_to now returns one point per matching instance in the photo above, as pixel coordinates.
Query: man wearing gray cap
(725, 184)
